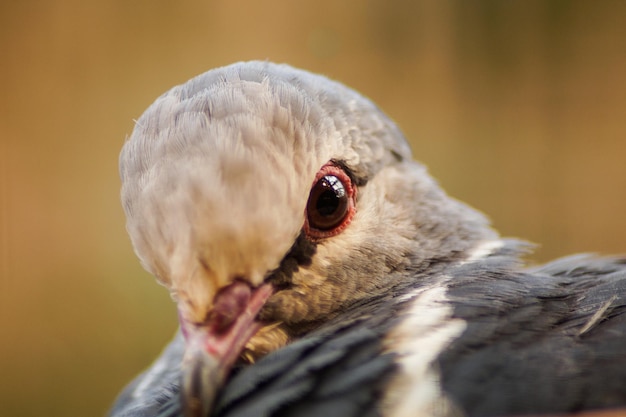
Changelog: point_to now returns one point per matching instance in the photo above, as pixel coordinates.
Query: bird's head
(267, 200)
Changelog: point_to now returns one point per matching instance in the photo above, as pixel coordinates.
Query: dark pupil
(329, 199)
(327, 203)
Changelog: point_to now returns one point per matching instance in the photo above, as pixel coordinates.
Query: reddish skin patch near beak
(230, 302)
(214, 346)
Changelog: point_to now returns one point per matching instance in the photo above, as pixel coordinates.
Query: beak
(213, 347)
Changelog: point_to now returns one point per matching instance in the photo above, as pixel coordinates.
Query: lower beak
(213, 347)
(202, 377)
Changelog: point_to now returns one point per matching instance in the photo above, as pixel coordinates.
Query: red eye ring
(331, 203)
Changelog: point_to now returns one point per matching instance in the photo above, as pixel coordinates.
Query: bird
(319, 270)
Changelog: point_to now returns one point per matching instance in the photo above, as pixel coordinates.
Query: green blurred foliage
(518, 107)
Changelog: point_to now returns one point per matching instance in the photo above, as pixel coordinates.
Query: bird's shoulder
(547, 333)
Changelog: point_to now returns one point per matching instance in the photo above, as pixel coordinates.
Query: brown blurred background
(518, 108)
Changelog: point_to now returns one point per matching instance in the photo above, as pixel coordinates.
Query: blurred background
(518, 108)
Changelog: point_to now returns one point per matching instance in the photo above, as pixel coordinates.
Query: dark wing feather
(336, 373)
(546, 339)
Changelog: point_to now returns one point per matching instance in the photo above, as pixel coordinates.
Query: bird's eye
(331, 203)
(328, 203)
